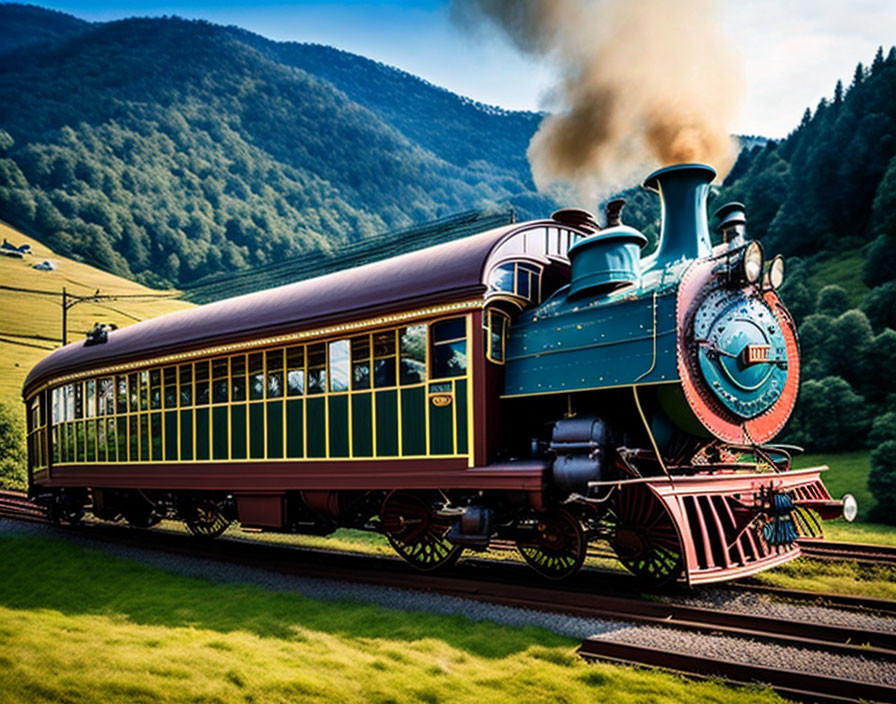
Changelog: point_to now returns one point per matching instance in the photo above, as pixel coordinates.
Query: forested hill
(831, 184)
(25, 25)
(168, 150)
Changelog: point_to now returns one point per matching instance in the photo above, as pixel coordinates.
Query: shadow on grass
(38, 573)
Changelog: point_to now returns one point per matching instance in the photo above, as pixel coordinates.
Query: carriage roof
(450, 272)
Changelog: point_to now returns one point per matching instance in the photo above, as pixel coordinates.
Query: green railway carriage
(376, 378)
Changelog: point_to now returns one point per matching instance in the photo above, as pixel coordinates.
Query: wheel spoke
(646, 541)
(207, 520)
(559, 549)
(416, 533)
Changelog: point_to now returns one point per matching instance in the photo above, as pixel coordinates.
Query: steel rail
(839, 601)
(793, 684)
(858, 552)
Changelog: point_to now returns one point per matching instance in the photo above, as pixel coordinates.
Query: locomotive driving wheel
(206, 520)
(557, 546)
(645, 539)
(417, 533)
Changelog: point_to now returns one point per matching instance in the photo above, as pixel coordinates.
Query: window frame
(533, 272)
(487, 327)
(433, 344)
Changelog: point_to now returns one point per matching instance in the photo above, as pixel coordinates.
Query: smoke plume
(644, 83)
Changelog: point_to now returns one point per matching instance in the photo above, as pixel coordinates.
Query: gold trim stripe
(267, 341)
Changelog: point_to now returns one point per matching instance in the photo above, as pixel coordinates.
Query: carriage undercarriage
(707, 527)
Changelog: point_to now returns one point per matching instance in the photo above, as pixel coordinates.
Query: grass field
(848, 473)
(78, 625)
(834, 577)
(31, 324)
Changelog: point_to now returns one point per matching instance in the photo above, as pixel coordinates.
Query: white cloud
(794, 52)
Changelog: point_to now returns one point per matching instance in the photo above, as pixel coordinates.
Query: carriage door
(448, 387)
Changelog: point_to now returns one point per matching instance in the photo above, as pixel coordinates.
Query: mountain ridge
(169, 149)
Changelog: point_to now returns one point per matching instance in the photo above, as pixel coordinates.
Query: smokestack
(614, 212)
(685, 232)
(576, 217)
(732, 223)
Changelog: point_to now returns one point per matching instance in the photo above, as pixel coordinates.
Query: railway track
(498, 583)
(796, 685)
(15, 504)
(859, 552)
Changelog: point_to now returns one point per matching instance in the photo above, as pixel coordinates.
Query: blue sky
(793, 52)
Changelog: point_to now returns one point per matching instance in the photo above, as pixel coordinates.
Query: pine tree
(838, 94)
(807, 116)
(858, 76)
(878, 63)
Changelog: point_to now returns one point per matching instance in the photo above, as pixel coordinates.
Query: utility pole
(72, 299)
(64, 316)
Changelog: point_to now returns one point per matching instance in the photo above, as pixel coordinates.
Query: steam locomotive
(540, 383)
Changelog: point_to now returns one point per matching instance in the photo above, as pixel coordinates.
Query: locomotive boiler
(541, 383)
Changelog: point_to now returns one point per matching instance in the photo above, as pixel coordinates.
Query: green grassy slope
(30, 324)
(79, 625)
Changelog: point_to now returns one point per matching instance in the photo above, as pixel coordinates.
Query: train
(541, 383)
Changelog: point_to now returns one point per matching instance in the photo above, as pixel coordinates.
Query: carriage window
(317, 368)
(144, 390)
(121, 403)
(56, 405)
(132, 393)
(518, 278)
(496, 325)
(155, 389)
(384, 359)
(256, 376)
(339, 365)
(107, 396)
(238, 378)
(275, 374)
(361, 362)
(449, 348)
(90, 402)
(79, 400)
(295, 371)
(202, 384)
(413, 354)
(501, 278)
(186, 385)
(169, 377)
(220, 391)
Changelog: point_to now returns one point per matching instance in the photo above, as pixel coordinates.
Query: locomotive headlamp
(751, 263)
(776, 272)
(850, 507)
